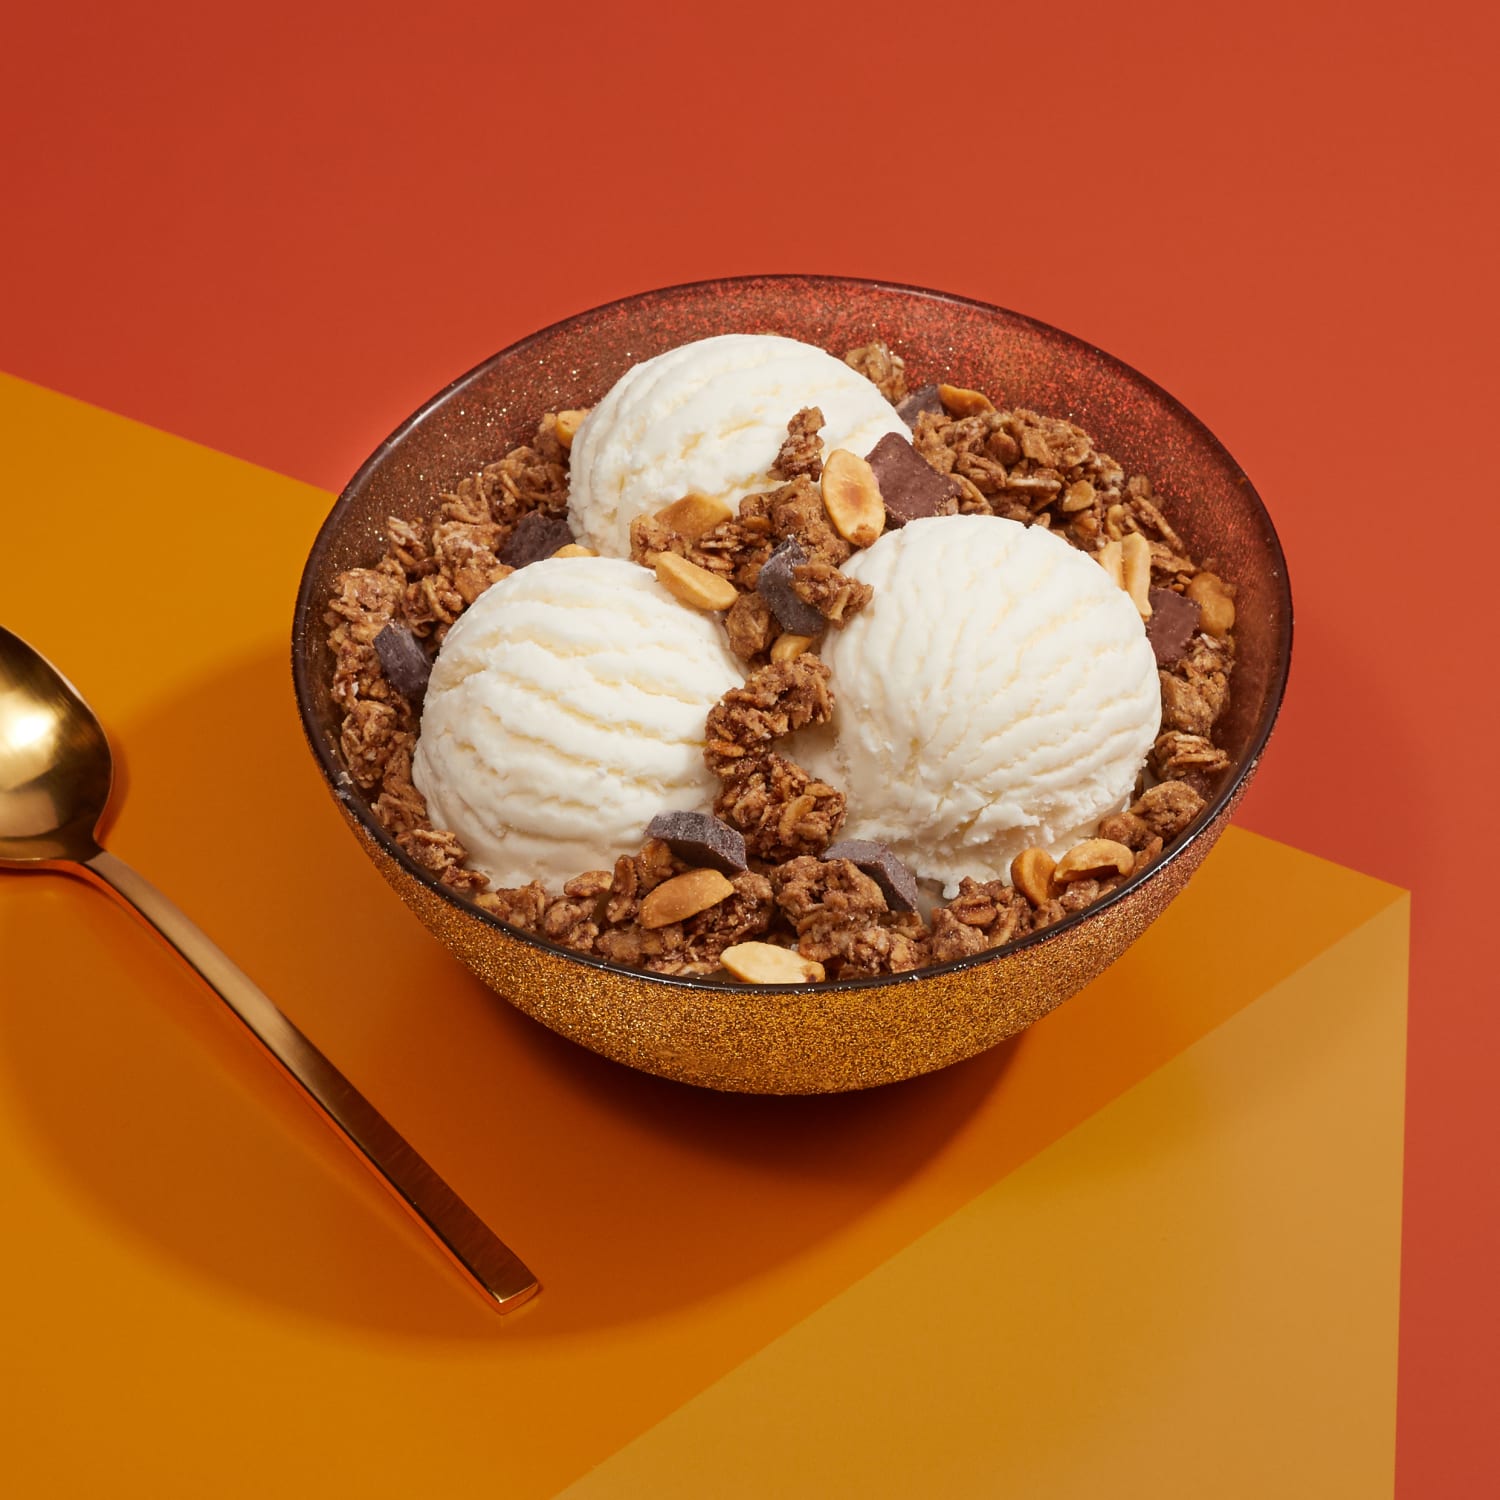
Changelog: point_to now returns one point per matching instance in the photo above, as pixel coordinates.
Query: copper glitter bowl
(794, 1039)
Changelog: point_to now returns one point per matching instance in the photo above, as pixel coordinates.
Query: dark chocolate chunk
(876, 860)
(1173, 623)
(775, 587)
(405, 663)
(536, 536)
(909, 485)
(924, 398)
(702, 840)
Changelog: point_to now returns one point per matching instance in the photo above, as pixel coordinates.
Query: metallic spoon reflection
(55, 775)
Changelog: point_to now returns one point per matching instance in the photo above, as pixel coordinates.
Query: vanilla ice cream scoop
(566, 708)
(997, 692)
(708, 418)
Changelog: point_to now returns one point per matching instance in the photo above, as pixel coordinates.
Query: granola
(886, 371)
(802, 452)
(781, 809)
(751, 627)
(843, 922)
(693, 946)
(828, 913)
(835, 595)
(982, 915)
(797, 510)
(774, 700)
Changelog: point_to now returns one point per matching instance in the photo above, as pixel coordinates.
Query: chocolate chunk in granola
(536, 536)
(924, 398)
(701, 840)
(405, 662)
(775, 586)
(1173, 623)
(897, 883)
(909, 485)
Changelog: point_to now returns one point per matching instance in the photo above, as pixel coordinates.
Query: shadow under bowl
(796, 1039)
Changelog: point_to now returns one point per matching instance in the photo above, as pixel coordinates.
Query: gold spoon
(55, 774)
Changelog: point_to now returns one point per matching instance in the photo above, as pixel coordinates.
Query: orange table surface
(1157, 1227)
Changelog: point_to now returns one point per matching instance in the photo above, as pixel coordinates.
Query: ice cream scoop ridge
(708, 418)
(566, 708)
(997, 692)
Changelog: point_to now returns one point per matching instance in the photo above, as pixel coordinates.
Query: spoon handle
(478, 1253)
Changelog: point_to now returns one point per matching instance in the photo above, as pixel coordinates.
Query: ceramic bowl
(857, 1033)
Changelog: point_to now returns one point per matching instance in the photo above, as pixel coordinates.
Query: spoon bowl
(55, 764)
(55, 777)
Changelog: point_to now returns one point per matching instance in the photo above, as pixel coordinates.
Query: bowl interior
(1205, 494)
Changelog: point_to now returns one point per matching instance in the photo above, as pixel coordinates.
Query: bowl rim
(308, 612)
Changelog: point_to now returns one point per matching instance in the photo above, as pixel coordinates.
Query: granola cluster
(737, 547)
(1194, 692)
(987, 914)
(782, 811)
(884, 370)
(842, 920)
(602, 912)
(430, 573)
(783, 551)
(801, 455)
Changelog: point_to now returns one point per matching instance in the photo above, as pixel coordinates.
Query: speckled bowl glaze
(792, 1039)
